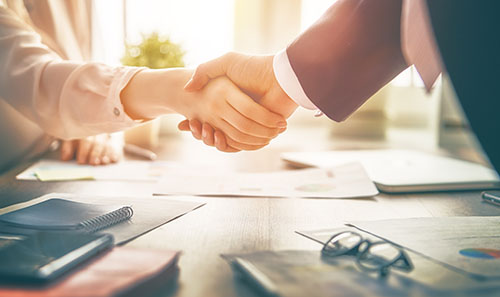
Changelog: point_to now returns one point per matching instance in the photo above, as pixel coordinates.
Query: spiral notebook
(61, 214)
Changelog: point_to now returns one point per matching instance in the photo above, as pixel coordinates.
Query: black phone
(492, 197)
(34, 256)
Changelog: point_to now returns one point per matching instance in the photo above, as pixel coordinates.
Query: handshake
(255, 109)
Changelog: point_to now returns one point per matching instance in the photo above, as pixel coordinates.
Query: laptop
(405, 171)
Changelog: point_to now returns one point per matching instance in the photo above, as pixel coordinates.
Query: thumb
(207, 71)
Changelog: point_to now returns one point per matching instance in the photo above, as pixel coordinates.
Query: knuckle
(200, 69)
(229, 55)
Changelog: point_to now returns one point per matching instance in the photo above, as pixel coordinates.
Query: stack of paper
(345, 181)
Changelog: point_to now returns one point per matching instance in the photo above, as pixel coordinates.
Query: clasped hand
(244, 124)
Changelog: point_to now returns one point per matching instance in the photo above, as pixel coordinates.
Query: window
(204, 29)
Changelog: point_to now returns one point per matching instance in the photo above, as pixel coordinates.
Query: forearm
(151, 93)
(67, 99)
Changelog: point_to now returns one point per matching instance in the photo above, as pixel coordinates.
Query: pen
(491, 197)
(255, 276)
(139, 151)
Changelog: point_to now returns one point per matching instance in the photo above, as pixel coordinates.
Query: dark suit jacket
(468, 37)
(355, 49)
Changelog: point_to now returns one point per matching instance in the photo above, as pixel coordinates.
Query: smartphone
(492, 197)
(33, 256)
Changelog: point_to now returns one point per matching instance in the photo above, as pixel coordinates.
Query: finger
(114, 149)
(96, 153)
(116, 154)
(243, 146)
(208, 134)
(184, 125)
(206, 71)
(196, 128)
(106, 154)
(258, 113)
(220, 142)
(68, 150)
(239, 136)
(247, 125)
(84, 147)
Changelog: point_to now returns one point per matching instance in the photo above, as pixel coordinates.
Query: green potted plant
(156, 52)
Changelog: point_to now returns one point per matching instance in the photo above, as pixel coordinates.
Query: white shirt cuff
(289, 82)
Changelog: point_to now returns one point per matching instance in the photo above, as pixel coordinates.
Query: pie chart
(481, 253)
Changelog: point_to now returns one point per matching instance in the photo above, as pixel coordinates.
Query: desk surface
(236, 225)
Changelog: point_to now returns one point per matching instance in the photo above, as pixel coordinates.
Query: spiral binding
(101, 222)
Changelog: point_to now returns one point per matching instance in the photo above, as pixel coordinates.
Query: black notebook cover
(60, 214)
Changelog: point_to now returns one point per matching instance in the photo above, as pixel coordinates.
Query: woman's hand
(94, 150)
(206, 133)
(246, 124)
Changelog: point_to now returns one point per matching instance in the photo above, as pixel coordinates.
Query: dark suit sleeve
(351, 52)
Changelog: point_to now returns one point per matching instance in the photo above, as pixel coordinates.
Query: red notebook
(123, 271)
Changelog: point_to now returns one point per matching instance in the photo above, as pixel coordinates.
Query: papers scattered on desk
(48, 174)
(345, 181)
(429, 275)
(53, 170)
(403, 171)
(468, 244)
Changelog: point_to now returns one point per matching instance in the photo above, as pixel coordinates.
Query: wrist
(276, 99)
(151, 93)
(287, 104)
(288, 81)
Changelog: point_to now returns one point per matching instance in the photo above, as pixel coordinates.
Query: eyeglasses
(371, 256)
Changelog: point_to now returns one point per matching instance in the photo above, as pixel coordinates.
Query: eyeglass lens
(342, 243)
(377, 255)
(371, 256)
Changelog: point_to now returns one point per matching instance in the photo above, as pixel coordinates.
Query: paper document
(48, 174)
(470, 244)
(346, 181)
(53, 170)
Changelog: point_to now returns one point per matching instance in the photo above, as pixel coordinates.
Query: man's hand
(246, 124)
(252, 74)
(93, 150)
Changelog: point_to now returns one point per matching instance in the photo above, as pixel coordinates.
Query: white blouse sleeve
(66, 99)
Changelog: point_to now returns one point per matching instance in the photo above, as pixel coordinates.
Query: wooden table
(236, 225)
